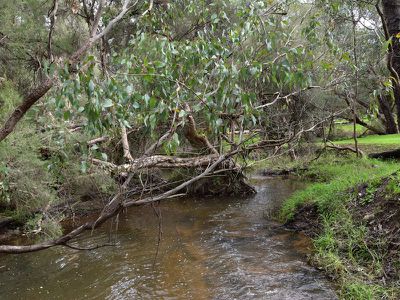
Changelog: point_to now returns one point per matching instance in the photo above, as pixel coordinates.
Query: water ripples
(211, 249)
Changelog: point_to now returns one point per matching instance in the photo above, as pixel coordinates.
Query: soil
(306, 220)
(380, 213)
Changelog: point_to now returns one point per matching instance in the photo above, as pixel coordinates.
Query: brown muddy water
(211, 248)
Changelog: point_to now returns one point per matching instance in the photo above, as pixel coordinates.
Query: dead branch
(279, 97)
(345, 148)
(164, 137)
(125, 144)
(157, 144)
(88, 248)
(159, 161)
(118, 202)
(53, 17)
(98, 140)
(111, 211)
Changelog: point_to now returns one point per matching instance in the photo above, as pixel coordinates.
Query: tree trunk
(195, 139)
(393, 154)
(386, 110)
(26, 104)
(160, 161)
(391, 12)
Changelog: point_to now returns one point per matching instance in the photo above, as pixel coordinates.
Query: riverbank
(352, 211)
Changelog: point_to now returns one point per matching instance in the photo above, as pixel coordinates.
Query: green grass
(389, 139)
(344, 129)
(341, 249)
(333, 176)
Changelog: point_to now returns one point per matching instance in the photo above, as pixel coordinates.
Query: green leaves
(229, 57)
(172, 145)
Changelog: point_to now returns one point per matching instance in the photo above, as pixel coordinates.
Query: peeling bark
(160, 161)
(195, 139)
(125, 144)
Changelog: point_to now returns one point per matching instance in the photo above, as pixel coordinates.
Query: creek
(211, 248)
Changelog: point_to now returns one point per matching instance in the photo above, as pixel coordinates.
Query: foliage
(224, 66)
(43, 170)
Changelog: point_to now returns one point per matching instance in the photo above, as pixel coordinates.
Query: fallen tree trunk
(393, 154)
(160, 161)
(113, 208)
(120, 201)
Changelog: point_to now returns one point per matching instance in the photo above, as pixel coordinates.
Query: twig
(157, 212)
(89, 248)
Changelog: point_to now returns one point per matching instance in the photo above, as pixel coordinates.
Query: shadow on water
(212, 248)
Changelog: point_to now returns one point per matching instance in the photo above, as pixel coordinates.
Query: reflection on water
(211, 249)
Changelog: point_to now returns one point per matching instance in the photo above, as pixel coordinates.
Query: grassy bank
(352, 210)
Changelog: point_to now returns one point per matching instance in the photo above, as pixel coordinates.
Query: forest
(218, 128)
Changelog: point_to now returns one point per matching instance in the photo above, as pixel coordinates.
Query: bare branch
(345, 148)
(118, 203)
(88, 248)
(98, 140)
(125, 144)
(97, 17)
(53, 16)
(278, 97)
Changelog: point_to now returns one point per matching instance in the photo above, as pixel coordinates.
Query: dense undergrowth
(356, 204)
(41, 169)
